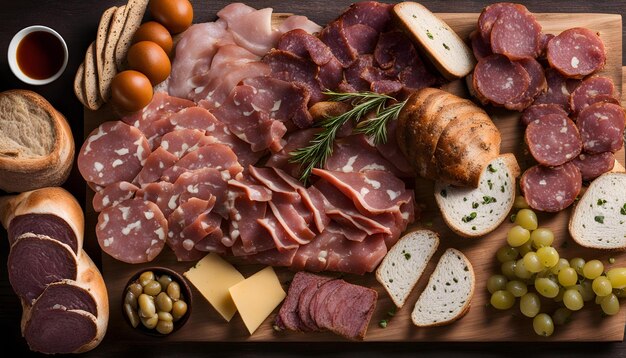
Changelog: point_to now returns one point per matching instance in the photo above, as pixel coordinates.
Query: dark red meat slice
(355, 154)
(113, 194)
(559, 89)
(289, 67)
(292, 222)
(551, 189)
(480, 47)
(181, 218)
(591, 90)
(352, 318)
(545, 38)
(67, 294)
(516, 34)
(283, 241)
(334, 37)
(58, 330)
(288, 316)
(217, 156)
(305, 45)
(592, 166)
(295, 140)
(163, 194)
(602, 127)
(537, 85)
(320, 309)
(304, 303)
(553, 140)
(490, 15)
(499, 80)
(576, 52)
(158, 162)
(353, 75)
(270, 178)
(43, 224)
(161, 106)
(538, 111)
(113, 152)
(370, 13)
(245, 225)
(132, 231)
(253, 190)
(362, 38)
(272, 257)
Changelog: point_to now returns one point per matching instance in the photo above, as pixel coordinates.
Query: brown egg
(149, 58)
(131, 91)
(175, 15)
(155, 32)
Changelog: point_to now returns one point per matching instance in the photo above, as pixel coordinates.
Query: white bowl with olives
(157, 301)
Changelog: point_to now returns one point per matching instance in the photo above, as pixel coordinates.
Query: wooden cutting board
(482, 323)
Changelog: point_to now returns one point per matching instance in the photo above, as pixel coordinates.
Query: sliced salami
(537, 85)
(591, 90)
(543, 44)
(553, 140)
(218, 156)
(551, 189)
(158, 162)
(576, 52)
(602, 127)
(133, 231)
(203, 184)
(164, 194)
(186, 214)
(490, 15)
(592, 166)
(516, 34)
(113, 152)
(113, 194)
(538, 111)
(499, 80)
(559, 89)
(182, 141)
(480, 47)
(59, 330)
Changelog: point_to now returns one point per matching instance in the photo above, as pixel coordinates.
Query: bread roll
(36, 143)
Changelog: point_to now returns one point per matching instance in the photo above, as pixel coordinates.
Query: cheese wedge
(213, 276)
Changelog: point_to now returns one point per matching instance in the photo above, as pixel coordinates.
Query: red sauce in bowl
(40, 55)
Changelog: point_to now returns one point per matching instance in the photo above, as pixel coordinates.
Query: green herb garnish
(474, 205)
(512, 218)
(430, 36)
(469, 217)
(446, 47)
(489, 200)
(443, 193)
(599, 219)
(382, 323)
(623, 210)
(601, 202)
(491, 168)
(407, 255)
(392, 311)
(490, 184)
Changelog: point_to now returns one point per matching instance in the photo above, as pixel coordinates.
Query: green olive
(146, 277)
(164, 302)
(165, 327)
(131, 299)
(165, 316)
(164, 280)
(150, 322)
(173, 290)
(179, 308)
(146, 306)
(136, 289)
(152, 288)
(132, 315)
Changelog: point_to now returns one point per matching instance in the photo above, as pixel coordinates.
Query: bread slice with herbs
(404, 264)
(474, 212)
(599, 218)
(447, 51)
(449, 291)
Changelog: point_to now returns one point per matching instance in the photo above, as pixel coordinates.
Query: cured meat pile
(186, 172)
(574, 123)
(317, 303)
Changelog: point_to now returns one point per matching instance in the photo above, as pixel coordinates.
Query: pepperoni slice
(537, 85)
(516, 34)
(601, 127)
(576, 52)
(538, 111)
(551, 189)
(592, 90)
(592, 166)
(499, 80)
(553, 140)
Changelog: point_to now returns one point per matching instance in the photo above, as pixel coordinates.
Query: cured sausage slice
(158, 162)
(499, 80)
(592, 166)
(553, 140)
(43, 224)
(113, 152)
(113, 194)
(491, 13)
(59, 330)
(183, 141)
(480, 47)
(551, 189)
(576, 52)
(537, 111)
(537, 85)
(602, 127)
(543, 44)
(516, 34)
(559, 89)
(218, 156)
(67, 294)
(165, 195)
(185, 215)
(592, 90)
(132, 231)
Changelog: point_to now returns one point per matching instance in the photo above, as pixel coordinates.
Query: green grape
(542, 237)
(610, 304)
(496, 283)
(602, 286)
(586, 290)
(527, 219)
(573, 300)
(502, 300)
(620, 292)
(548, 256)
(593, 269)
(520, 203)
(506, 253)
(508, 269)
(532, 262)
(568, 277)
(546, 287)
(517, 236)
(561, 316)
(517, 288)
(577, 263)
(530, 304)
(563, 263)
(599, 299)
(559, 296)
(617, 276)
(543, 325)
(521, 271)
(526, 248)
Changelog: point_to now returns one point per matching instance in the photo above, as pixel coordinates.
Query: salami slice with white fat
(183, 141)
(516, 34)
(499, 80)
(559, 89)
(592, 166)
(551, 189)
(538, 111)
(490, 14)
(576, 52)
(601, 127)
(164, 194)
(480, 47)
(158, 162)
(591, 90)
(553, 140)
(218, 156)
(186, 214)
(113, 152)
(132, 231)
(113, 194)
(543, 44)
(537, 85)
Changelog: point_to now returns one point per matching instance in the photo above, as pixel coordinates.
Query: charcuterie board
(482, 323)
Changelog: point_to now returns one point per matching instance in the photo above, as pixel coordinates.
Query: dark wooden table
(76, 21)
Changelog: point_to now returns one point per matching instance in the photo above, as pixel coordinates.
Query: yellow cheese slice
(213, 276)
(257, 296)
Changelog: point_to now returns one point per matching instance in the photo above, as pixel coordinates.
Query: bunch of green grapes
(529, 261)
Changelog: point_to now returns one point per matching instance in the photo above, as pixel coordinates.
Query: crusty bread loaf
(101, 37)
(109, 68)
(135, 12)
(474, 212)
(449, 291)
(79, 84)
(405, 262)
(36, 143)
(446, 50)
(94, 101)
(599, 217)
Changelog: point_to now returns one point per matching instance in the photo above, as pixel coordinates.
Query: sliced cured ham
(246, 227)
(251, 28)
(276, 230)
(559, 90)
(113, 194)
(602, 127)
(553, 140)
(516, 34)
(282, 158)
(334, 37)
(371, 13)
(305, 45)
(551, 189)
(203, 184)
(362, 38)
(252, 190)
(217, 156)
(576, 52)
(592, 166)
(355, 154)
(538, 111)
(499, 80)
(157, 162)
(289, 67)
(592, 90)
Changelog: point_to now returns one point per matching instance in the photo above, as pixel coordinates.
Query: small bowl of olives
(157, 301)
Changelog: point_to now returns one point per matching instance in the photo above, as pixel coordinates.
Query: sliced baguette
(404, 264)
(457, 204)
(94, 101)
(109, 68)
(101, 38)
(449, 291)
(447, 51)
(135, 12)
(598, 224)
(79, 84)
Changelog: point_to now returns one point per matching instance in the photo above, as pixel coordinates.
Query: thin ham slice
(251, 28)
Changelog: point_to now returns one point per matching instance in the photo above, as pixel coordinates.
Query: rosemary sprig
(321, 147)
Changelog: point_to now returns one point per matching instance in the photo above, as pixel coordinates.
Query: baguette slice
(135, 11)
(404, 264)
(598, 224)
(109, 68)
(449, 291)
(94, 101)
(491, 201)
(447, 51)
(101, 38)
